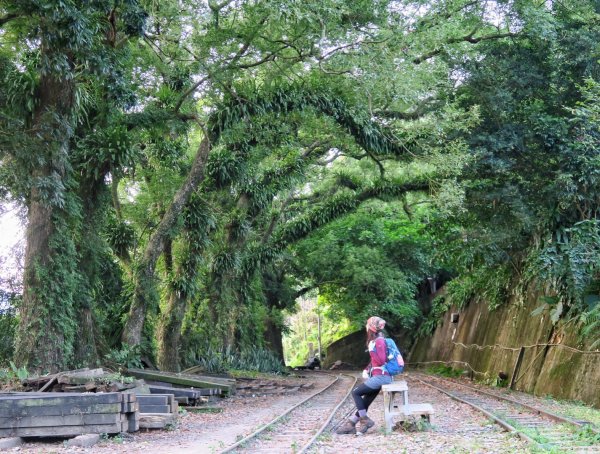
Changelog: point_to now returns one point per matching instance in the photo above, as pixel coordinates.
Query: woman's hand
(365, 374)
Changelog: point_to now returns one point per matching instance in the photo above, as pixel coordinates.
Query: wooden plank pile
(157, 411)
(80, 380)
(184, 396)
(91, 401)
(248, 387)
(208, 385)
(67, 414)
(157, 403)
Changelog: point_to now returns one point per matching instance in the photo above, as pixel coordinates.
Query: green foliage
(495, 381)
(491, 285)
(588, 435)
(439, 306)
(12, 376)
(106, 149)
(247, 359)
(120, 236)
(529, 205)
(445, 371)
(368, 134)
(308, 319)
(223, 166)
(8, 324)
(590, 325)
(415, 424)
(128, 357)
(569, 258)
(356, 147)
(368, 262)
(21, 89)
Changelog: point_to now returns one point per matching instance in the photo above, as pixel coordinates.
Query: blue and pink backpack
(395, 363)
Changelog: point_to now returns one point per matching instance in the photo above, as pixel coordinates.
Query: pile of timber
(157, 411)
(206, 385)
(67, 414)
(184, 396)
(140, 405)
(253, 387)
(98, 380)
(80, 380)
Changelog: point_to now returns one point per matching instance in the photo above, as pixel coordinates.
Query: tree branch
(421, 110)
(188, 92)
(304, 291)
(7, 18)
(468, 38)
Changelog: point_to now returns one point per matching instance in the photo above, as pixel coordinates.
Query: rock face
(491, 342)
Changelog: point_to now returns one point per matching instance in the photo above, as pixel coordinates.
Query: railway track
(297, 428)
(545, 430)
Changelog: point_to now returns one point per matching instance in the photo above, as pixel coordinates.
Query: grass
(415, 424)
(325, 437)
(496, 382)
(587, 435)
(445, 371)
(580, 411)
(584, 435)
(118, 438)
(531, 433)
(248, 374)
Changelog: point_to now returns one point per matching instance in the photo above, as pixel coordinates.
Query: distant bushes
(257, 360)
(8, 324)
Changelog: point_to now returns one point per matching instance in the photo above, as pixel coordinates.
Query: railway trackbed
(546, 431)
(297, 428)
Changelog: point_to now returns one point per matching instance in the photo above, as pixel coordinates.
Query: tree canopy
(188, 169)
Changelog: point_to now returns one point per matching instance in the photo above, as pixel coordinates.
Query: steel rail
(541, 411)
(498, 420)
(277, 419)
(505, 425)
(549, 414)
(324, 426)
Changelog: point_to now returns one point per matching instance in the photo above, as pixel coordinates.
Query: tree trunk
(88, 247)
(33, 345)
(274, 337)
(144, 280)
(44, 339)
(169, 332)
(86, 353)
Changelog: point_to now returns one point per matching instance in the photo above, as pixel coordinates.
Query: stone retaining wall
(490, 342)
(351, 350)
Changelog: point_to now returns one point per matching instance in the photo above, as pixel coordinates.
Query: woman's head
(375, 325)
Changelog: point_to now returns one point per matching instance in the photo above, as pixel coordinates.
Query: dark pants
(364, 396)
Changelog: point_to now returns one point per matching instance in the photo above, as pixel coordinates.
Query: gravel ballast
(457, 429)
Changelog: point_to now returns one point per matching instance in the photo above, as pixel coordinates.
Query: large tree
(54, 51)
(173, 173)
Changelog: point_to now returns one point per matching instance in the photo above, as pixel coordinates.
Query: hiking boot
(364, 424)
(349, 427)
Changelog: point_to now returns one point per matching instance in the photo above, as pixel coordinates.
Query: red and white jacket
(378, 353)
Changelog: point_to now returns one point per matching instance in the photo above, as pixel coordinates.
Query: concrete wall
(499, 335)
(352, 349)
